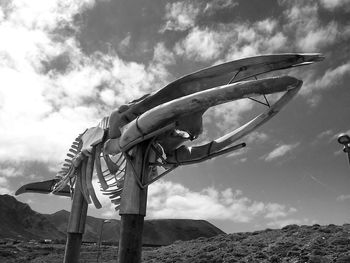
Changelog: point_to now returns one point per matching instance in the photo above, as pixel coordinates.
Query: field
(294, 244)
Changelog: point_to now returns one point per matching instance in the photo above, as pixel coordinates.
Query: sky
(65, 64)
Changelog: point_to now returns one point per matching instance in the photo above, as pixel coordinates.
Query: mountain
(18, 220)
(155, 232)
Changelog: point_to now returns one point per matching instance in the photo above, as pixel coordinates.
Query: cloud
(3, 180)
(331, 78)
(324, 136)
(10, 172)
(229, 115)
(289, 221)
(231, 41)
(336, 4)
(51, 91)
(4, 185)
(257, 137)
(303, 23)
(201, 45)
(214, 6)
(173, 200)
(163, 54)
(180, 16)
(280, 151)
(342, 198)
(275, 211)
(237, 153)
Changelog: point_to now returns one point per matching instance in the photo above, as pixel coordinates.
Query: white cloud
(288, 221)
(313, 84)
(3, 180)
(164, 55)
(4, 183)
(268, 25)
(343, 197)
(173, 200)
(324, 134)
(335, 4)
(10, 172)
(43, 110)
(237, 153)
(214, 6)
(4, 190)
(257, 137)
(180, 16)
(277, 211)
(303, 22)
(317, 37)
(201, 45)
(280, 151)
(229, 115)
(332, 77)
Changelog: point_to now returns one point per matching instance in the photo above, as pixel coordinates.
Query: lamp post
(344, 139)
(100, 239)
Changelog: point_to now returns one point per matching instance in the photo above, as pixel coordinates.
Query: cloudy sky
(65, 64)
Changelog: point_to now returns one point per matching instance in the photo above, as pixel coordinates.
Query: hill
(156, 232)
(297, 244)
(19, 221)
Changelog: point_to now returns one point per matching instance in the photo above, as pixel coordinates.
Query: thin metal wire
(233, 78)
(263, 103)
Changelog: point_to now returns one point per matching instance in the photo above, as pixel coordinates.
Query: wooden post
(76, 225)
(133, 209)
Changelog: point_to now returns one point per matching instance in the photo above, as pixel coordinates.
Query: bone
(70, 155)
(89, 173)
(119, 184)
(112, 167)
(73, 151)
(64, 181)
(84, 189)
(112, 191)
(98, 168)
(116, 201)
(114, 194)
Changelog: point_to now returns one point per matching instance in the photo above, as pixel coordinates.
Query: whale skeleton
(164, 121)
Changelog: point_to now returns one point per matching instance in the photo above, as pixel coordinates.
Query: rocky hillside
(291, 244)
(294, 244)
(19, 221)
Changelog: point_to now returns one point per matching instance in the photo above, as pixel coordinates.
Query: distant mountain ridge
(19, 221)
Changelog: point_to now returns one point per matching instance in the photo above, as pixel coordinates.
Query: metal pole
(344, 139)
(100, 239)
(133, 209)
(347, 150)
(76, 225)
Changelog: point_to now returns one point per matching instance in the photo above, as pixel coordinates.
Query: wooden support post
(76, 225)
(133, 209)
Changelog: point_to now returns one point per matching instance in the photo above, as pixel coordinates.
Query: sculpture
(163, 121)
